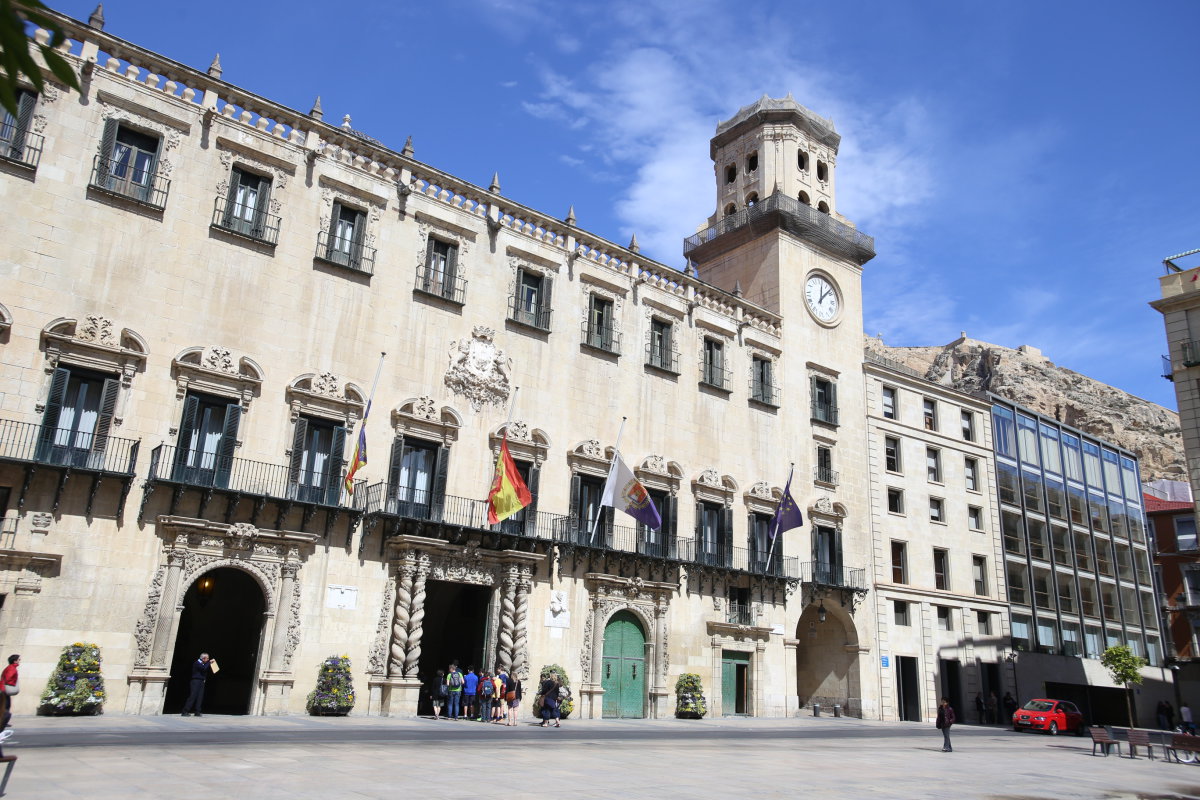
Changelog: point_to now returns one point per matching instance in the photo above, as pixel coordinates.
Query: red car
(1050, 716)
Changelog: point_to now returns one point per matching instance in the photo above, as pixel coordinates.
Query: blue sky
(1024, 166)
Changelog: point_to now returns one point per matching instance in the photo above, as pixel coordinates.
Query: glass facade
(1074, 539)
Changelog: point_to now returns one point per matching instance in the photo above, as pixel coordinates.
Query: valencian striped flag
(360, 452)
(509, 493)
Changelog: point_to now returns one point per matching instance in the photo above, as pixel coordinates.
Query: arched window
(802, 160)
(731, 173)
(729, 209)
(823, 207)
(752, 162)
(803, 198)
(752, 199)
(822, 171)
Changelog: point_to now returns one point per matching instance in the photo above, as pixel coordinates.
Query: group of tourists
(484, 696)
(988, 709)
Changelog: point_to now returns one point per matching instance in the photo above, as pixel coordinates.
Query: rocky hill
(1027, 377)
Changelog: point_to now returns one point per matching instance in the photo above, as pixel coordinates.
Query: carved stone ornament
(144, 632)
(41, 521)
(591, 448)
(479, 370)
(377, 661)
(171, 138)
(425, 408)
(96, 329)
(220, 360)
(824, 505)
(518, 431)
(242, 536)
(464, 566)
(761, 489)
(656, 464)
(326, 384)
(710, 477)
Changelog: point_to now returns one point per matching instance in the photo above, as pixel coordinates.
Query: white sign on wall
(341, 597)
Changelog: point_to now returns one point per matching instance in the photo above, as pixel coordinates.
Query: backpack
(485, 687)
(455, 680)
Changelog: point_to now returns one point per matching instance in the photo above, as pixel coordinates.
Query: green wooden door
(623, 670)
(735, 673)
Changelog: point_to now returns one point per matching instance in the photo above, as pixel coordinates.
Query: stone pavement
(259, 758)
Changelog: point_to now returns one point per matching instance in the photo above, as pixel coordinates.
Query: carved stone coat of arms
(478, 369)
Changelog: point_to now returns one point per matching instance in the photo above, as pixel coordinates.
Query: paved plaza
(302, 757)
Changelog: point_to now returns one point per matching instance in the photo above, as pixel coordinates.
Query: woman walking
(549, 693)
(945, 718)
(439, 693)
(513, 698)
(10, 683)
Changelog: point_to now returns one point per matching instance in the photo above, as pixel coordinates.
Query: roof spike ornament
(316, 112)
(407, 152)
(96, 20)
(633, 244)
(737, 288)
(345, 120)
(214, 69)
(571, 216)
(494, 188)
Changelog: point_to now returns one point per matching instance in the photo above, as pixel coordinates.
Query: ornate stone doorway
(222, 616)
(624, 667)
(455, 629)
(827, 660)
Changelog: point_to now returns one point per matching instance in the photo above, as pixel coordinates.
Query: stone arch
(525, 443)
(828, 658)
(95, 343)
(643, 619)
(6, 318)
(323, 394)
(194, 571)
(422, 417)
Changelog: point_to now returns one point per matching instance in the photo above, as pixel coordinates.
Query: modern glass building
(1076, 557)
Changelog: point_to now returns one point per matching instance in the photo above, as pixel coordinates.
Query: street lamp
(821, 612)
(1011, 658)
(1175, 668)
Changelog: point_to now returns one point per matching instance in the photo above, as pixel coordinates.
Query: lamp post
(1011, 658)
(1175, 669)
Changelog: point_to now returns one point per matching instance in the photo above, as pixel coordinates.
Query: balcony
(246, 222)
(121, 179)
(662, 357)
(744, 560)
(343, 252)
(826, 476)
(382, 500)
(1190, 350)
(532, 316)
(824, 412)
(623, 539)
(1168, 370)
(764, 392)
(714, 375)
(821, 573)
(22, 148)
(604, 337)
(739, 614)
(35, 446)
(439, 283)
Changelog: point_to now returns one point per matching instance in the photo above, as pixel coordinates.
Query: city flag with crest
(625, 492)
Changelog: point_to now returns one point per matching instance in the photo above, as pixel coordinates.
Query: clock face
(822, 298)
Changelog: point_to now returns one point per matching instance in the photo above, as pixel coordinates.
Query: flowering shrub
(565, 704)
(76, 686)
(334, 694)
(689, 697)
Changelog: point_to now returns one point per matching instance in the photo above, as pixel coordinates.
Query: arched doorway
(623, 670)
(825, 667)
(222, 616)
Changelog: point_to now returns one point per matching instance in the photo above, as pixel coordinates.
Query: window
(945, 618)
(344, 239)
(77, 420)
(207, 438)
(1070, 639)
(1060, 543)
(929, 408)
(601, 331)
(804, 198)
(971, 473)
(1018, 583)
(1185, 532)
(440, 273)
(975, 518)
(1014, 534)
(1043, 593)
(1007, 483)
(979, 574)
(731, 173)
(941, 569)
(889, 402)
(1056, 499)
(761, 544)
(937, 509)
(968, 426)
(895, 501)
(417, 478)
(1031, 483)
(825, 473)
(983, 623)
(900, 612)
(802, 160)
(1002, 427)
(822, 171)
(713, 535)
(1066, 592)
(762, 381)
(1083, 550)
(315, 471)
(128, 165)
(1027, 439)
(524, 520)
(891, 453)
(933, 464)
(587, 512)
(827, 556)
(730, 209)
(751, 199)
(824, 400)
(1020, 632)
(712, 370)
(899, 562)
(17, 142)
(660, 351)
(823, 207)
(1038, 540)
(752, 162)
(531, 301)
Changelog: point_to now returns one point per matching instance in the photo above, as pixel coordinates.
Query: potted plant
(566, 704)
(76, 687)
(689, 697)
(334, 695)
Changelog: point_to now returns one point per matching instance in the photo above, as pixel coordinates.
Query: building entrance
(623, 672)
(952, 686)
(455, 629)
(908, 695)
(735, 682)
(222, 616)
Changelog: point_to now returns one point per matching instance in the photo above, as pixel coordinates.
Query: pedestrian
(945, 718)
(10, 681)
(454, 691)
(1010, 705)
(470, 690)
(487, 694)
(549, 694)
(1170, 716)
(500, 714)
(439, 692)
(1160, 715)
(202, 668)
(992, 702)
(1185, 719)
(513, 697)
(979, 708)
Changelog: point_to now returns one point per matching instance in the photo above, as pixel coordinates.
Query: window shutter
(299, 443)
(108, 407)
(441, 469)
(235, 181)
(225, 448)
(575, 515)
(812, 393)
(356, 239)
(531, 509)
(833, 404)
(54, 404)
(752, 538)
(516, 296)
(393, 481)
(337, 463)
(543, 310)
(187, 428)
(146, 191)
(263, 207)
(727, 534)
(25, 106)
(331, 247)
(699, 531)
(427, 274)
(448, 282)
(670, 514)
(108, 140)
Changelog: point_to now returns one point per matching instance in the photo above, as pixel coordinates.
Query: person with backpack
(512, 696)
(549, 693)
(470, 692)
(454, 692)
(487, 694)
(439, 693)
(945, 718)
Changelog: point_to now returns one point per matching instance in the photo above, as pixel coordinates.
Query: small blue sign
(883, 661)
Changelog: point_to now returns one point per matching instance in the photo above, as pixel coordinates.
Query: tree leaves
(17, 59)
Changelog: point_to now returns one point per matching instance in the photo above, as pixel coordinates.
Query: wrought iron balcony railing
(1190, 351)
(745, 560)
(345, 253)
(662, 357)
(208, 470)
(21, 147)
(1168, 369)
(623, 539)
(242, 220)
(123, 179)
(602, 337)
(466, 512)
(533, 316)
(826, 475)
(439, 283)
(825, 412)
(764, 392)
(825, 574)
(42, 444)
(715, 375)
(739, 614)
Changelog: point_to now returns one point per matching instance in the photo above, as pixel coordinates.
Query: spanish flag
(509, 493)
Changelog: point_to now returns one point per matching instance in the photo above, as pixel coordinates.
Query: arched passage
(222, 616)
(827, 660)
(623, 669)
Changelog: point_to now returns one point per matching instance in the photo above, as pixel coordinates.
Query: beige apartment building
(197, 287)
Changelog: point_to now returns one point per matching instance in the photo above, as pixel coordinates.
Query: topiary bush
(76, 686)
(689, 697)
(334, 695)
(565, 704)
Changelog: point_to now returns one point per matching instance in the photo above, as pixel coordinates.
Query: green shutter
(263, 207)
(108, 407)
(187, 429)
(235, 182)
(833, 403)
(427, 274)
(108, 140)
(441, 470)
(299, 444)
(531, 509)
(726, 533)
(336, 462)
(575, 514)
(228, 444)
(543, 310)
(449, 281)
(54, 404)
(25, 105)
(670, 517)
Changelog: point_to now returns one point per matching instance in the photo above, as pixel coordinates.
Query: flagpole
(366, 413)
(616, 453)
(775, 522)
(511, 408)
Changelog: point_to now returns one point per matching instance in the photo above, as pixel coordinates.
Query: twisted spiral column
(520, 629)
(400, 619)
(415, 626)
(166, 609)
(508, 610)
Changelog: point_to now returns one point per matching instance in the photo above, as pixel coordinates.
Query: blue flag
(787, 514)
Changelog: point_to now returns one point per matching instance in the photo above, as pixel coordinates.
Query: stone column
(283, 615)
(660, 692)
(166, 609)
(148, 682)
(791, 650)
(415, 628)
(521, 625)
(508, 611)
(756, 697)
(400, 618)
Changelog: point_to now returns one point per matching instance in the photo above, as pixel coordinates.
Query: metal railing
(826, 475)
(739, 614)
(22, 147)
(210, 470)
(715, 375)
(825, 412)
(42, 444)
(260, 226)
(602, 337)
(8, 532)
(664, 358)
(440, 283)
(126, 180)
(466, 512)
(345, 253)
(1191, 352)
(745, 560)
(1168, 369)
(763, 392)
(624, 539)
(537, 317)
(825, 574)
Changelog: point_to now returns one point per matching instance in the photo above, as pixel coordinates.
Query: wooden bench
(9, 762)
(1140, 738)
(1183, 747)
(1102, 738)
